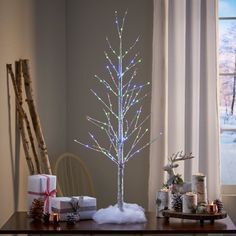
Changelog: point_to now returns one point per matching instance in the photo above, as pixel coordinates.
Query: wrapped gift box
(41, 186)
(84, 206)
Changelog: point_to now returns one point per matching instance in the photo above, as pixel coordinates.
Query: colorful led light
(124, 134)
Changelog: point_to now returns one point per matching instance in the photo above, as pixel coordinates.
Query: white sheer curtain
(184, 91)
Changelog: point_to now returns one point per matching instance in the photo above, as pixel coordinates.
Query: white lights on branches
(122, 108)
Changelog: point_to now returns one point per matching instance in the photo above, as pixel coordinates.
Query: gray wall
(34, 30)
(50, 71)
(64, 41)
(88, 24)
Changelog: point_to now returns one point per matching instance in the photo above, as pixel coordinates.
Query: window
(227, 77)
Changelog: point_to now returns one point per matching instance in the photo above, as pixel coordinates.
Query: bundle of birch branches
(36, 155)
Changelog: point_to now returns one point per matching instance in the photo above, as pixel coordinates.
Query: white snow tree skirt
(132, 213)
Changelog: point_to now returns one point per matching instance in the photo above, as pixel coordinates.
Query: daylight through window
(227, 76)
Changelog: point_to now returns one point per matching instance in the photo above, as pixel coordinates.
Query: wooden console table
(19, 223)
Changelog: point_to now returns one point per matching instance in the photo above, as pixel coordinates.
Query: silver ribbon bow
(75, 203)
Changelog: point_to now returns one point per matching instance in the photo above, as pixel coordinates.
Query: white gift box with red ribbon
(44, 187)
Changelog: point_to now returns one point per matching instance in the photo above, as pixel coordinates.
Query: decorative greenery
(201, 208)
(165, 186)
(175, 179)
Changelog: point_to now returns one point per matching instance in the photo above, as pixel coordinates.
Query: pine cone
(176, 203)
(36, 210)
(219, 205)
(71, 218)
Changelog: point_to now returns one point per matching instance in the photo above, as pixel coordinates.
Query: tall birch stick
(35, 117)
(25, 141)
(19, 84)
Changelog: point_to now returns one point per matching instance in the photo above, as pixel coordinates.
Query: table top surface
(20, 223)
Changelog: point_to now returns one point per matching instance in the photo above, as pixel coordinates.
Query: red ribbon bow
(46, 194)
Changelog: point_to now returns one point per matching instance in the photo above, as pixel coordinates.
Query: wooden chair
(73, 177)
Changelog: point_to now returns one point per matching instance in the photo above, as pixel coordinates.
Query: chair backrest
(73, 177)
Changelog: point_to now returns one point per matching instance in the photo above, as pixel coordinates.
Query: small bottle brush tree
(124, 134)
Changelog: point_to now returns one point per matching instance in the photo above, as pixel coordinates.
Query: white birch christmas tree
(122, 108)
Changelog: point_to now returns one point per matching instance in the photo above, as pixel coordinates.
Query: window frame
(227, 190)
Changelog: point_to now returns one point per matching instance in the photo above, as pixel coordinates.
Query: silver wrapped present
(83, 206)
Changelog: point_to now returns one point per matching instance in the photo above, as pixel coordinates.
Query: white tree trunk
(120, 193)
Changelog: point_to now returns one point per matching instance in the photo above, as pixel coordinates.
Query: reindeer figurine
(174, 178)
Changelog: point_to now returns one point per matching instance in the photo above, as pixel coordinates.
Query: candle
(163, 201)
(54, 218)
(212, 208)
(189, 202)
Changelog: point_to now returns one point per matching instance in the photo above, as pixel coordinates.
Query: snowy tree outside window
(227, 76)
